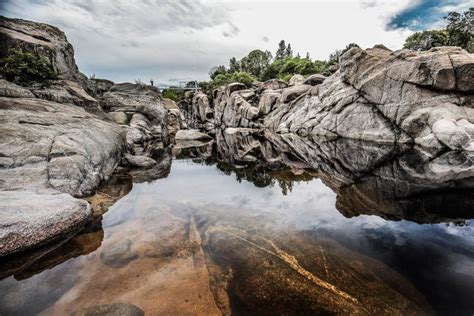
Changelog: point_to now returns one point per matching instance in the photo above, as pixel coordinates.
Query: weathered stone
(47, 144)
(119, 117)
(315, 79)
(138, 161)
(296, 80)
(33, 217)
(11, 90)
(46, 41)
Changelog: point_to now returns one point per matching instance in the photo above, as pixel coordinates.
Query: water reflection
(248, 224)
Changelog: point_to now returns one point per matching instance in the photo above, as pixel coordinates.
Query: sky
(178, 40)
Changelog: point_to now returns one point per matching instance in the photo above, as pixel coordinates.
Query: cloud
(161, 39)
(425, 14)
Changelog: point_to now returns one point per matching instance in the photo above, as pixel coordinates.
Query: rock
(144, 105)
(11, 90)
(119, 117)
(191, 134)
(291, 93)
(97, 87)
(119, 254)
(33, 217)
(391, 97)
(52, 145)
(116, 309)
(315, 80)
(46, 41)
(64, 91)
(138, 161)
(268, 101)
(296, 80)
(273, 84)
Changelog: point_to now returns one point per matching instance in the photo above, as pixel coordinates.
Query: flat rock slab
(29, 218)
(121, 309)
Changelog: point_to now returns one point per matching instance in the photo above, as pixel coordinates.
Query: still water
(212, 238)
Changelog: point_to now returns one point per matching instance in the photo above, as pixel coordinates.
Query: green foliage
(173, 95)
(215, 71)
(24, 67)
(224, 79)
(256, 62)
(426, 40)
(458, 32)
(285, 68)
(460, 29)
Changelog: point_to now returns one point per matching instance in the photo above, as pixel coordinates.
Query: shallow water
(213, 238)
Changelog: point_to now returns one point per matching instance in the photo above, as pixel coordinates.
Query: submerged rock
(33, 217)
(118, 309)
(191, 134)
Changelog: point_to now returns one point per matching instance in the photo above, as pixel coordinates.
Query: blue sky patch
(424, 14)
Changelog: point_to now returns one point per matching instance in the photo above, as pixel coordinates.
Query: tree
(460, 29)
(24, 67)
(288, 51)
(234, 65)
(281, 52)
(426, 40)
(215, 71)
(256, 62)
(307, 56)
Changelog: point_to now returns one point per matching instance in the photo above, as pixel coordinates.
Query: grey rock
(385, 96)
(52, 145)
(11, 90)
(33, 217)
(138, 161)
(119, 117)
(64, 91)
(296, 80)
(314, 80)
(119, 254)
(46, 41)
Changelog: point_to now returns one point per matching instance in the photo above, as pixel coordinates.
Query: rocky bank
(60, 138)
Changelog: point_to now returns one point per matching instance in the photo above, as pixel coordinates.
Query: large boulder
(35, 217)
(44, 144)
(142, 109)
(43, 40)
(384, 96)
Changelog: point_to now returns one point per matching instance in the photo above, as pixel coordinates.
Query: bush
(24, 67)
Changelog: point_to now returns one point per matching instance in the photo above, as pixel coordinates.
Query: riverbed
(213, 237)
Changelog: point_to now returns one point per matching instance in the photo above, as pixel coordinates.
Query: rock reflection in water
(244, 224)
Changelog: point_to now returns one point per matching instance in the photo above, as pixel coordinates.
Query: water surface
(221, 237)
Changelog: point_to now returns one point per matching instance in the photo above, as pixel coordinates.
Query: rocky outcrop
(379, 95)
(197, 110)
(43, 40)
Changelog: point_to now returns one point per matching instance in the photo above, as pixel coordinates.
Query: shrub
(24, 67)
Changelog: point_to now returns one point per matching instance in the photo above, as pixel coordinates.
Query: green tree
(460, 29)
(234, 65)
(24, 67)
(426, 40)
(289, 51)
(281, 51)
(215, 71)
(307, 56)
(256, 62)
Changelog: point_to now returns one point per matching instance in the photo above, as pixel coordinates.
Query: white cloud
(124, 40)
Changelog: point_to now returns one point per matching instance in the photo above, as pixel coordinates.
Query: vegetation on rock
(25, 67)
